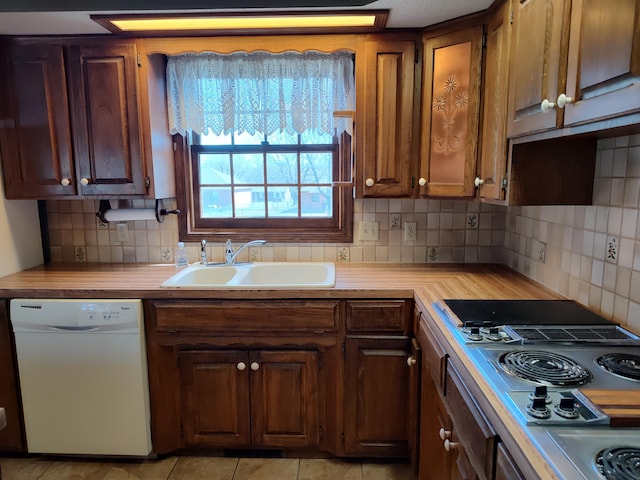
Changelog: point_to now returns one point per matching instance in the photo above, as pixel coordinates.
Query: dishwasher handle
(72, 328)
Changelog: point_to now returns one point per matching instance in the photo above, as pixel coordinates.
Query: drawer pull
(444, 434)
(449, 445)
(255, 366)
(241, 366)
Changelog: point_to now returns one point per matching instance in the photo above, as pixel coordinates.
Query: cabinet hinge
(413, 181)
(484, 40)
(504, 183)
(175, 147)
(511, 17)
(139, 59)
(343, 348)
(147, 182)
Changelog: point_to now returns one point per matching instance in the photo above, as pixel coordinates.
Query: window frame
(337, 229)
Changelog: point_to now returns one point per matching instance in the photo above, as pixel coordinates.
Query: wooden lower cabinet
(376, 391)
(235, 398)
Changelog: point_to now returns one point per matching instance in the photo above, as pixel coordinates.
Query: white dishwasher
(83, 376)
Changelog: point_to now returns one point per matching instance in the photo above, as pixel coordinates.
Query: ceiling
(66, 17)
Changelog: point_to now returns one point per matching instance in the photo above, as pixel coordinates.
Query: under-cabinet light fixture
(243, 23)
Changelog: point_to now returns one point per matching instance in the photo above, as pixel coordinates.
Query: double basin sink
(265, 275)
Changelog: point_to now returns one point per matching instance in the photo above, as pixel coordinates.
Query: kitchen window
(263, 152)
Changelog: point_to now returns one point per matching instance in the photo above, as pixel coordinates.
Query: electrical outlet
(540, 251)
(611, 255)
(410, 233)
(123, 232)
(369, 231)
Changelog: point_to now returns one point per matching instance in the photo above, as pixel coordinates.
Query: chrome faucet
(230, 255)
(203, 252)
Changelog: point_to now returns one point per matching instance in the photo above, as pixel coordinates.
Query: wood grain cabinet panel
(450, 113)
(603, 73)
(385, 81)
(35, 134)
(376, 410)
(250, 398)
(492, 168)
(378, 316)
(106, 122)
(538, 64)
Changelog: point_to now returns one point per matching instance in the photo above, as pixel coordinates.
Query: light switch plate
(368, 231)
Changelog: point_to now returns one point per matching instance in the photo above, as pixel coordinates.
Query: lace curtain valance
(263, 92)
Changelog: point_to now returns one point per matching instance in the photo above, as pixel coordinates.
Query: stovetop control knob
(538, 408)
(474, 334)
(567, 408)
(494, 334)
(540, 392)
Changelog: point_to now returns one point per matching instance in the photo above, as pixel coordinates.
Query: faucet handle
(228, 246)
(203, 243)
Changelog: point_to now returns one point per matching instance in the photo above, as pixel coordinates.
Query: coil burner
(625, 365)
(544, 368)
(619, 463)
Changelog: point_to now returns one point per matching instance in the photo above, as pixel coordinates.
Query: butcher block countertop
(424, 283)
(352, 281)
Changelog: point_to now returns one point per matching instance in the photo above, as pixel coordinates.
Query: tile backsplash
(588, 253)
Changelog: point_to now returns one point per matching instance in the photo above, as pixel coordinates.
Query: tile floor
(202, 468)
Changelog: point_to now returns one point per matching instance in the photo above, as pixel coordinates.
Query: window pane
(248, 168)
(215, 202)
(282, 138)
(317, 201)
(249, 202)
(214, 169)
(311, 137)
(282, 168)
(245, 138)
(213, 139)
(316, 167)
(283, 201)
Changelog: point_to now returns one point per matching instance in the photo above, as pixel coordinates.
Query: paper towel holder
(105, 206)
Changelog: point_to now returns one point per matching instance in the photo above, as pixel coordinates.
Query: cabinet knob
(241, 366)
(411, 361)
(369, 182)
(65, 182)
(422, 181)
(448, 445)
(84, 181)
(478, 181)
(255, 366)
(563, 100)
(444, 434)
(546, 105)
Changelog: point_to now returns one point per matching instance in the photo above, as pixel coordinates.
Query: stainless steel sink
(261, 275)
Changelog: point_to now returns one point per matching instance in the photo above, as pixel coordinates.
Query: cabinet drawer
(473, 430)
(232, 316)
(378, 316)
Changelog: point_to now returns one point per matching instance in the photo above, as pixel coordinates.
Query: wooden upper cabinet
(35, 132)
(450, 113)
(538, 64)
(603, 73)
(107, 132)
(385, 81)
(492, 166)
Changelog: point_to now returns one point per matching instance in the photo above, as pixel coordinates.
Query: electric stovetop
(483, 313)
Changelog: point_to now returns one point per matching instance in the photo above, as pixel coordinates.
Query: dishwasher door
(83, 376)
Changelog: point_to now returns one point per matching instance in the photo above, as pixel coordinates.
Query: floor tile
(204, 468)
(144, 470)
(324, 469)
(76, 470)
(267, 469)
(386, 471)
(23, 468)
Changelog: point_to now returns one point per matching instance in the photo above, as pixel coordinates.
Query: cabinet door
(450, 113)
(215, 398)
(493, 156)
(107, 131)
(603, 76)
(435, 461)
(384, 117)
(284, 398)
(506, 468)
(11, 438)
(538, 64)
(35, 136)
(376, 392)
